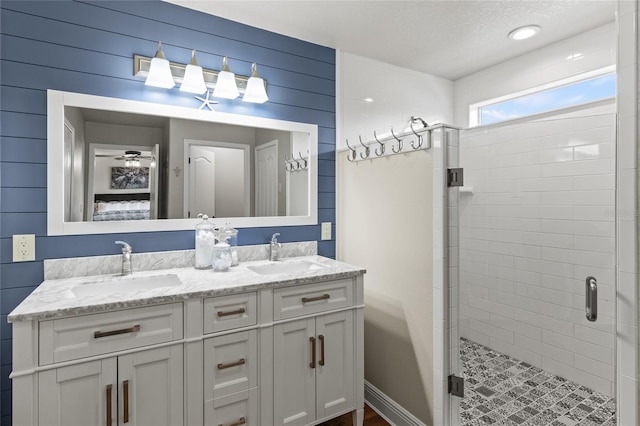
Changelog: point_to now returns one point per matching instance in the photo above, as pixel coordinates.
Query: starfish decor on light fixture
(206, 101)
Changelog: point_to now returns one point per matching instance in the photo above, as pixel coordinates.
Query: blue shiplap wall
(87, 47)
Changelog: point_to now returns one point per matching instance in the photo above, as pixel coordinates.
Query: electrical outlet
(24, 248)
(326, 231)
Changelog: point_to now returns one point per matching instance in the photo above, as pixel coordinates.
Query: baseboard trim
(388, 409)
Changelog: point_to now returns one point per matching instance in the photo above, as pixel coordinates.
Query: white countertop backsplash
(54, 297)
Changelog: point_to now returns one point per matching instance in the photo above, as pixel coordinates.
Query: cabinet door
(293, 376)
(79, 395)
(335, 371)
(150, 385)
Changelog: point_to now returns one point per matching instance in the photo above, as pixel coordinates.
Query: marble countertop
(55, 298)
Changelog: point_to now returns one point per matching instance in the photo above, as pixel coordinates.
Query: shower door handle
(591, 298)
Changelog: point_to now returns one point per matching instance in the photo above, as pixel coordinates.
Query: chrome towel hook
(366, 149)
(417, 135)
(393, 148)
(288, 164)
(304, 161)
(381, 145)
(352, 155)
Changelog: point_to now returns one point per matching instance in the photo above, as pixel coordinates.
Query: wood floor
(371, 418)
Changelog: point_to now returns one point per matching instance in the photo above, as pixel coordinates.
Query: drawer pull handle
(109, 405)
(316, 298)
(236, 312)
(125, 400)
(312, 364)
(240, 421)
(321, 338)
(99, 334)
(232, 364)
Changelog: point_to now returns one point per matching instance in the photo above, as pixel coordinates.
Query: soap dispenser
(233, 242)
(205, 241)
(221, 259)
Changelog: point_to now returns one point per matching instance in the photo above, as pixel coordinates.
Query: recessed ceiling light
(368, 100)
(525, 32)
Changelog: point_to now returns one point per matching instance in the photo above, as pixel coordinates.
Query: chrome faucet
(274, 247)
(127, 269)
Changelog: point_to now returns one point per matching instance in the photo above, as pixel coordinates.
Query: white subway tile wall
(540, 220)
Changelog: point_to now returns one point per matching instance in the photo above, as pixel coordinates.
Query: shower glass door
(535, 243)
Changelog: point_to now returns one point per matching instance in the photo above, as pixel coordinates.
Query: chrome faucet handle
(274, 238)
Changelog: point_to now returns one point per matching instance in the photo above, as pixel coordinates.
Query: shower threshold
(501, 390)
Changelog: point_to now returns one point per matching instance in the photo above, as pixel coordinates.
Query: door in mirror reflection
(216, 181)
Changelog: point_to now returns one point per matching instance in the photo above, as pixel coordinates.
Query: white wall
(541, 66)
(384, 223)
(627, 217)
(540, 220)
(397, 95)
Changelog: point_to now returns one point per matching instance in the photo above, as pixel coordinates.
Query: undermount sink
(125, 284)
(286, 266)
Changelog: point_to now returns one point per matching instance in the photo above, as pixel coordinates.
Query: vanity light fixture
(159, 71)
(524, 32)
(256, 91)
(226, 85)
(193, 81)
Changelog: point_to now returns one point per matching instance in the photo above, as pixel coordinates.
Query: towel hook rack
(393, 148)
(352, 155)
(366, 149)
(381, 145)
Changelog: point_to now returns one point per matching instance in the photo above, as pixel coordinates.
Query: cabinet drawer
(300, 300)
(230, 364)
(239, 409)
(79, 337)
(228, 312)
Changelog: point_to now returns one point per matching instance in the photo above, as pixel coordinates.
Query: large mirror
(116, 165)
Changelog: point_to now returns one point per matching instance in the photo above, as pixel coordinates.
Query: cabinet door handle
(240, 421)
(313, 352)
(316, 298)
(236, 312)
(321, 338)
(109, 405)
(125, 400)
(99, 334)
(232, 364)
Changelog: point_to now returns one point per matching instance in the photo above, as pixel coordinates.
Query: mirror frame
(58, 100)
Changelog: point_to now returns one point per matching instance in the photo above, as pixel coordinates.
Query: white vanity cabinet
(78, 385)
(314, 358)
(142, 388)
(287, 351)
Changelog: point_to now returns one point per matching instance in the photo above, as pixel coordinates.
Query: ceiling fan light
(193, 81)
(159, 71)
(255, 91)
(226, 86)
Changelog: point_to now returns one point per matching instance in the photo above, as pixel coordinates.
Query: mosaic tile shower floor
(501, 390)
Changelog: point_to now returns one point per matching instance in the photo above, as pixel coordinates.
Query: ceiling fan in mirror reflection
(159, 72)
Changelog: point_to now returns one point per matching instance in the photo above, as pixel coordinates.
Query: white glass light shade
(226, 84)
(193, 81)
(159, 71)
(255, 91)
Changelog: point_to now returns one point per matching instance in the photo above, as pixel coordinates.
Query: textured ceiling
(448, 39)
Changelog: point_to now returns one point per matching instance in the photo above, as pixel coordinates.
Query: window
(543, 99)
